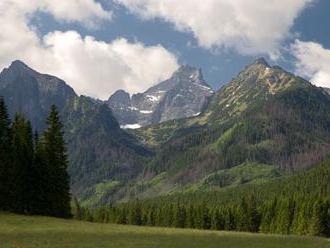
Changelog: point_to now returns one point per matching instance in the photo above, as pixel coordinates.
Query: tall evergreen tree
(56, 161)
(318, 226)
(40, 200)
(5, 157)
(22, 164)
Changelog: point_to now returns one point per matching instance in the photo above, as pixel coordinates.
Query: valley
(241, 134)
(241, 147)
(164, 123)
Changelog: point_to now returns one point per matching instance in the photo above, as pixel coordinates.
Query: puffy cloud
(91, 67)
(98, 68)
(88, 12)
(312, 61)
(248, 26)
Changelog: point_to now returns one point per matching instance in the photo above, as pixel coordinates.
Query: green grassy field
(27, 232)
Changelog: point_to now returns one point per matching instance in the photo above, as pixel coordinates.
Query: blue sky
(175, 37)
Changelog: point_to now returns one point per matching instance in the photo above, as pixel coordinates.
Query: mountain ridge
(265, 120)
(184, 94)
(265, 116)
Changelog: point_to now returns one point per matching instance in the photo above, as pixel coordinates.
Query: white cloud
(98, 68)
(91, 67)
(87, 12)
(312, 61)
(248, 26)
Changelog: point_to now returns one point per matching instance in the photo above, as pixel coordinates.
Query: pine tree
(55, 158)
(179, 217)
(23, 158)
(318, 225)
(5, 158)
(285, 214)
(243, 216)
(76, 209)
(135, 214)
(253, 215)
(191, 217)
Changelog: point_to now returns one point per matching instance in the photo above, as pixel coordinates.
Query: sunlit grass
(30, 232)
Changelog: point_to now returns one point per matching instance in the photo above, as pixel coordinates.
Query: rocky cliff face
(32, 93)
(185, 94)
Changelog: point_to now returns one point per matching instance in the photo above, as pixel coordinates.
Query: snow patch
(153, 98)
(133, 108)
(145, 111)
(204, 87)
(130, 126)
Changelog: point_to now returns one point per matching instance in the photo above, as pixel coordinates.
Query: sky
(100, 46)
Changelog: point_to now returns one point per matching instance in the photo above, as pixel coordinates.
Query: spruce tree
(55, 159)
(22, 165)
(76, 209)
(41, 201)
(179, 216)
(318, 222)
(5, 158)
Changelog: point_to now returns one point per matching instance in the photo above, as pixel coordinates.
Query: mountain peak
(19, 67)
(19, 64)
(184, 94)
(188, 69)
(120, 93)
(119, 98)
(188, 73)
(261, 61)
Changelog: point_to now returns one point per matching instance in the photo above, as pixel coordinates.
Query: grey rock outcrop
(183, 95)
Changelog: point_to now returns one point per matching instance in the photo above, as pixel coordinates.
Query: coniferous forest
(33, 168)
(297, 204)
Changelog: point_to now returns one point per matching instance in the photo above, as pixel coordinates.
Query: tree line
(298, 204)
(33, 169)
(282, 216)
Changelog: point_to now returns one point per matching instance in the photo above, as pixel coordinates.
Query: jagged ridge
(185, 94)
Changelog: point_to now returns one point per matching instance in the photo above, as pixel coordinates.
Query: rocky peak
(35, 92)
(257, 82)
(184, 94)
(188, 74)
(260, 73)
(19, 65)
(187, 70)
(16, 69)
(119, 99)
(261, 61)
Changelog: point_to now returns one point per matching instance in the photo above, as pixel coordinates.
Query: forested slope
(298, 204)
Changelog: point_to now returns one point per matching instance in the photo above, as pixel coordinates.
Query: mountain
(99, 150)
(32, 93)
(185, 94)
(265, 123)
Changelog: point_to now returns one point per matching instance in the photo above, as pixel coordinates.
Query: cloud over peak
(247, 26)
(90, 66)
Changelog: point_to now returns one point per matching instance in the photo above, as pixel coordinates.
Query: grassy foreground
(29, 232)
